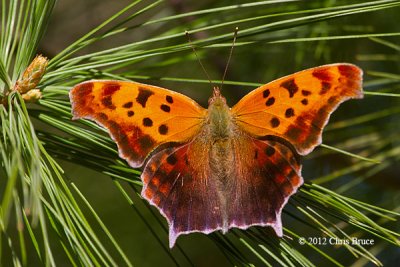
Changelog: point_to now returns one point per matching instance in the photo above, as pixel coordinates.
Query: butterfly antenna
(194, 50)
(230, 55)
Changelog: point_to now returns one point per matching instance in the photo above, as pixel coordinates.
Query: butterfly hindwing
(267, 173)
(177, 181)
(297, 107)
(139, 117)
(190, 190)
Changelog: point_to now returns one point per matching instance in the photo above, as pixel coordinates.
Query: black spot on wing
(107, 102)
(143, 96)
(147, 122)
(325, 86)
(275, 122)
(270, 101)
(146, 142)
(289, 113)
(128, 104)
(291, 86)
(169, 99)
(269, 151)
(165, 108)
(172, 160)
(163, 129)
(266, 93)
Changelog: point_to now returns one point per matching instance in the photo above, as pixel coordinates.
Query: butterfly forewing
(139, 117)
(298, 106)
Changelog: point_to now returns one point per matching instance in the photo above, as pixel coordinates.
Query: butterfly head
(216, 98)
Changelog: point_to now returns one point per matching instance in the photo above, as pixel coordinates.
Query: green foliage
(45, 217)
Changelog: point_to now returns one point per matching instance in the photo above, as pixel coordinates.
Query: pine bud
(32, 75)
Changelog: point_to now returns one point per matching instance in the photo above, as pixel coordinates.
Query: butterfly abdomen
(220, 130)
(221, 161)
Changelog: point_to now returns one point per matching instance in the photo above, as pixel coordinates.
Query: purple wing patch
(195, 195)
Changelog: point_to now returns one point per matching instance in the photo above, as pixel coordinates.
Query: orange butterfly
(219, 168)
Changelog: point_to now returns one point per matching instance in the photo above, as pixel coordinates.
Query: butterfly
(219, 168)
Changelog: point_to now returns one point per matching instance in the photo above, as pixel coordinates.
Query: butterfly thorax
(219, 117)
